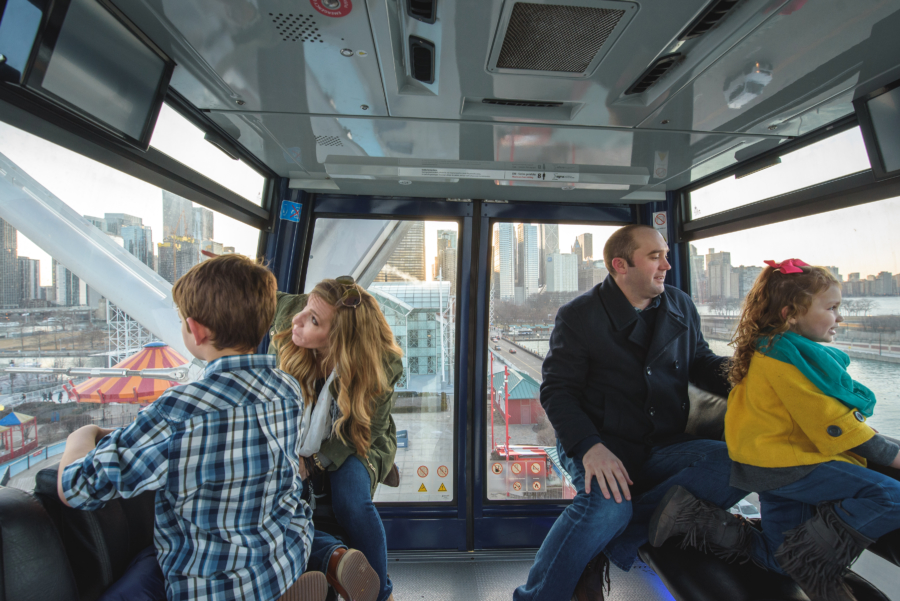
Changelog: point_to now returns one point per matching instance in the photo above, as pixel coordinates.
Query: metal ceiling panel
(299, 146)
(794, 73)
(463, 35)
(267, 55)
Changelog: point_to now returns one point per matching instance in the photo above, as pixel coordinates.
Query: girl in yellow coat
(797, 434)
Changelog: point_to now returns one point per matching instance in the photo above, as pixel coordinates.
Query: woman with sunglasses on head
(336, 342)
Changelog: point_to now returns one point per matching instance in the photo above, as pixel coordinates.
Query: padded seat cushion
(34, 562)
(99, 544)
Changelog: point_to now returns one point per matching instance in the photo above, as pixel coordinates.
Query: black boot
(818, 552)
(704, 526)
(594, 580)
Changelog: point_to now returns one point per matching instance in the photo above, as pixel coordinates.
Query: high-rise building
(742, 279)
(586, 242)
(178, 216)
(98, 222)
(445, 261)
(29, 280)
(561, 272)
(138, 240)
(202, 224)
(9, 266)
(505, 254)
(68, 289)
(176, 255)
(407, 262)
(591, 274)
(548, 243)
(527, 254)
(116, 221)
(699, 291)
(718, 274)
(883, 284)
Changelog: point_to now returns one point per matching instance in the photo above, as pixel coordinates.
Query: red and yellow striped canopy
(133, 389)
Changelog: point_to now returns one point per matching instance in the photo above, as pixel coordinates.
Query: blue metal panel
(395, 208)
(418, 534)
(285, 245)
(557, 212)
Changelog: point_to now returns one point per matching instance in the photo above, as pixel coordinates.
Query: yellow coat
(776, 417)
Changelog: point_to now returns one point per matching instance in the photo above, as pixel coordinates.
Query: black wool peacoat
(606, 374)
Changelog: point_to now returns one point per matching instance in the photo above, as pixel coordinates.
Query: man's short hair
(233, 296)
(621, 245)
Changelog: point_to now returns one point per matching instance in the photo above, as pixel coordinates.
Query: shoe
(311, 586)
(350, 574)
(818, 552)
(704, 526)
(393, 477)
(594, 579)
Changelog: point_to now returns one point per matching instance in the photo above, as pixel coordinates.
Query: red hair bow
(788, 265)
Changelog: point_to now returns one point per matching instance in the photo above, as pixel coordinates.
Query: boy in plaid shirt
(221, 453)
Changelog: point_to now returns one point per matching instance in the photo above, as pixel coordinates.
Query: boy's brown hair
(233, 296)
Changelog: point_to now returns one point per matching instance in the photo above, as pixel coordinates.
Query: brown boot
(350, 574)
(818, 552)
(594, 579)
(704, 526)
(311, 586)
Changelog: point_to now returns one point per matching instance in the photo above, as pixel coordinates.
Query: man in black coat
(615, 388)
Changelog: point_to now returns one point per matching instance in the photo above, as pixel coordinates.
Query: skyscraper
(9, 266)
(202, 224)
(548, 242)
(407, 262)
(718, 274)
(527, 265)
(69, 289)
(506, 261)
(586, 241)
(177, 255)
(178, 216)
(562, 272)
(138, 240)
(29, 280)
(445, 262)
(699, 291)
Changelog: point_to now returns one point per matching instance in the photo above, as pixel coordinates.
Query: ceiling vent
(422, 10)
(711, 17)
(328, 141)
(566, 39)
(297, 27)
(528, 103)
(421, 59)
(654, 73)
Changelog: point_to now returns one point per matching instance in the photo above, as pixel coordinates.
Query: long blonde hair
(762, 314)
(358, 344)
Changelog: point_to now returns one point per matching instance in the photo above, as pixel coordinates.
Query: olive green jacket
(383, 430)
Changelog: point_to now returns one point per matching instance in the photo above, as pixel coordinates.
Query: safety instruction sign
(661, 224)
(435, 478)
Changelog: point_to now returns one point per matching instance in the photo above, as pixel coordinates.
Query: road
(521, 361)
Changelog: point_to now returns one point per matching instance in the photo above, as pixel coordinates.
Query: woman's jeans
(351, 501)
(869, 504)
(592, 524)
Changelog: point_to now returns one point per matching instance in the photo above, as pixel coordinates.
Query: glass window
(52, 310)
(410, 268)
(536, 268)
(859, 245)
(834, 157)
(180, 139)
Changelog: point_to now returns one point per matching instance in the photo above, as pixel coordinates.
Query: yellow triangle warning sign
(442, 488)
(423, 489)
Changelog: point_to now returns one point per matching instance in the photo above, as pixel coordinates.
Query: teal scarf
(824, 366)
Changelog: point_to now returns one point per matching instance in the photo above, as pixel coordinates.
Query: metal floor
(494, 576)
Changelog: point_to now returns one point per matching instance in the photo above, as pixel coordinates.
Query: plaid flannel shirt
(221, 453)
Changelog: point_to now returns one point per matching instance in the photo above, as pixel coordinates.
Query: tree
(866, 305)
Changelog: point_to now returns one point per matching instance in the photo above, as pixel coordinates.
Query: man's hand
(599, 462)
(79, 443)
(303, 473)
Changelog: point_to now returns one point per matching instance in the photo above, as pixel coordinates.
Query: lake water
(881, 377)
(884, 305)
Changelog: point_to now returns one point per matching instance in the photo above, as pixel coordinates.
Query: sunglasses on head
(351, 297)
